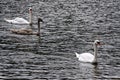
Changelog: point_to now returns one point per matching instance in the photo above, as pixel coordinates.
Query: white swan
(88, 57)
(19, 20)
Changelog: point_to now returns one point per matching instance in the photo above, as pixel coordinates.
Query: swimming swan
(19, 20)
(24, 31)
(88, 57)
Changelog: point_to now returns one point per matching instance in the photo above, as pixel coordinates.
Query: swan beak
(42, 21)
(99, 43)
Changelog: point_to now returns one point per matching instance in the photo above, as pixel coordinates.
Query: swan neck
(38, 28)
(95, 52)
(30, 16)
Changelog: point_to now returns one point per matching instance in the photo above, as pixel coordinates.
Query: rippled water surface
(69, 26)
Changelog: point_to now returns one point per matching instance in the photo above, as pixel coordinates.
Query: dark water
(69, 26)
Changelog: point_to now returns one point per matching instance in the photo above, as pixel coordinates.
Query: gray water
(69, 26)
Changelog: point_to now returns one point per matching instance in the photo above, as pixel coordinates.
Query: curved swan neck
(30, 15)
(38, 27)
(95, 52)
(39, 20)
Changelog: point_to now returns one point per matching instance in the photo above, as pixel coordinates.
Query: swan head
(97, 42)
(40, 20)
(30, 9)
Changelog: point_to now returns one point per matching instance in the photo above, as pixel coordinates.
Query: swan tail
(77, 55)
(7, 20)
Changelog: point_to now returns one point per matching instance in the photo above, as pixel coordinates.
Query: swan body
(85, 57)
(24, 31)
(88, 57)
(19, 20)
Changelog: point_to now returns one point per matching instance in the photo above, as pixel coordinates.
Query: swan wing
(21, 20)
(10, 21)
(17, 20)
(85, 57)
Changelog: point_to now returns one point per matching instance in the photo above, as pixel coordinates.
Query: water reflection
(88, 70)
